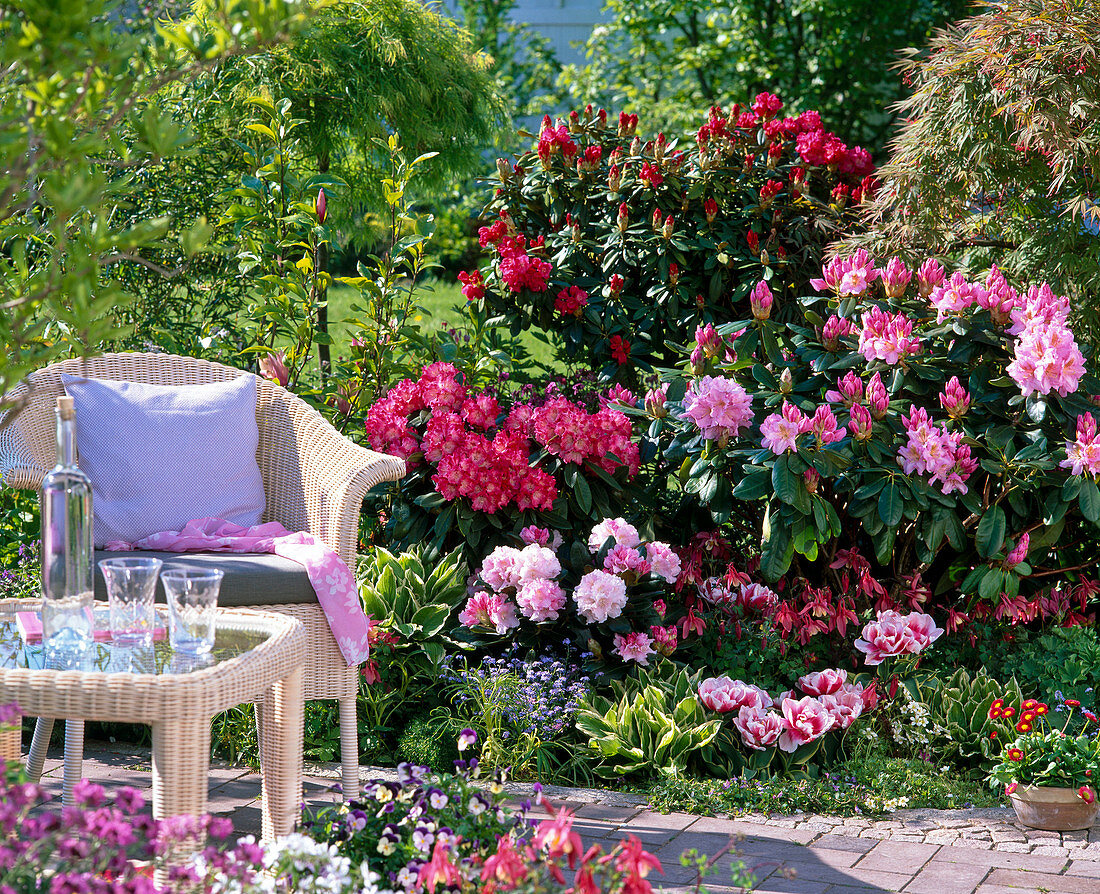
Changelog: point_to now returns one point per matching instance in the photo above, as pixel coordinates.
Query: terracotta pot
(1053, 809)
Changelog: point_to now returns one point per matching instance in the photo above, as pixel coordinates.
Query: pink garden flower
(954, 296)
(844, 705)
(887, 337)
(600, 596)
(273, 367)
(805, 720)
(833, 331)
(758, 727)
(892, 634)
(849, 391)
(877, 400)
(1019, 552)
(955, 398)
(1083, 454)
(757, 597)
(714, 591)
(719, 406)
(860, 423)
(824, 682)
(655, 400)
(536, 562)
(823, 426)
(540, 599)
(760, 301)
(1046, 358)
(500, 570)
(634, 647)
(895, 277)
(663, 561)
(621, 559)
(999, 297)
(929, 276)
(781, 430)
(725, 695)
(623, 533)
(489, 610)
(664, 639)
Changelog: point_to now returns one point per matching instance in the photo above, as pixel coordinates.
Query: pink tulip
(725, 695)
(845, 706)
(806, 719)
(759, 728)
(824, 682)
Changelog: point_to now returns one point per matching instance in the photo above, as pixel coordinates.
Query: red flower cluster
(571, 301)
(473, 286)
(620, 349)
(487, 459)
(553, 140)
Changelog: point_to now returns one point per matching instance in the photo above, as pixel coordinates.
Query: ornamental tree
(622, 246)
(914, 425)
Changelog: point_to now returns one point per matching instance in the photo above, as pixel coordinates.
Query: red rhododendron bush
(479, 468)
(623, 245)
(918, 440)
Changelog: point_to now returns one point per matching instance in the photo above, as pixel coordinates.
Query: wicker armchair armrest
(335, 475)
(18, 467)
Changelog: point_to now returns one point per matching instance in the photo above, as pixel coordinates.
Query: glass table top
(107, 657)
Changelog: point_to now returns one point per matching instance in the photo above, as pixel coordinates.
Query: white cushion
(159, 456)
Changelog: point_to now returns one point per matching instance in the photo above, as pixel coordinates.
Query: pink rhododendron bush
(919, 437)
(482, 464)
(606, 592)
(623, 244)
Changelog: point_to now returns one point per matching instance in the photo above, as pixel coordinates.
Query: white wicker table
(257, 657)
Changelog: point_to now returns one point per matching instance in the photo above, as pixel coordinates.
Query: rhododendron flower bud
(775, 150)
(624, 217)
(708, 340)
(761, 301)
(754, 241)
(786, 381)
(321, 206)
(658, 219)
(999, 298)
(849, 390)
(504, 170)
(769, 191)
(1019, 552)
(860, 423)
(614, 179)
(635, 147)
(669, 227)
(929, 276)
(840, 195)
(615, 284)
(673, 271)
(955, 399)
(834, 329)
(710, 209)
(895, 278)
(877, 400)
(601, 118)
(811, 478)
(576, 234)
(824, 427)
(664, 639)
(765, 258)
(274, 367)
(655, 400)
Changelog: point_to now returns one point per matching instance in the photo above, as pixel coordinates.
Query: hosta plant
(647, 726)
(622, 245)
(913, 424)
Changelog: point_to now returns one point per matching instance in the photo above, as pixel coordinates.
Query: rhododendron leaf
(754, 485)
(1036, 407)
(890, 505)
(992, 584)
(973, 579)
(884, 544)
(990, 535)
(583, 495)
(1089, 500)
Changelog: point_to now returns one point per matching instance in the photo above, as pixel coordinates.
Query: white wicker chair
(314, 478)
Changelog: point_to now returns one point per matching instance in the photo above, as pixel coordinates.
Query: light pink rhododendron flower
(1083, 454)
(718, 406)
(540, 599)
(663, 561)
(781, 430)
(1047, 359)
(758, 727)
(954, 296)
(600, 596)
(624, 534)
(724, 695)
(489, 610)
(634, 647)
(823, 682)
(620, 559)
(535, 562)
(805, 720)
(501, 567)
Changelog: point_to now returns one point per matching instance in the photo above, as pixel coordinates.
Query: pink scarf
(331, 579)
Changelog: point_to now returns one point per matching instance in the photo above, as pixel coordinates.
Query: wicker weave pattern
(179, 708)
(314, 479)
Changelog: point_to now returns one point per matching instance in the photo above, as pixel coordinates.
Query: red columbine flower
(1086, 794)
(1014, 754)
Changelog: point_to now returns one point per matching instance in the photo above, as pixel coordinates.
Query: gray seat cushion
(250, 579)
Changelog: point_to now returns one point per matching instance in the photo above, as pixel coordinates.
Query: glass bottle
(67, 582)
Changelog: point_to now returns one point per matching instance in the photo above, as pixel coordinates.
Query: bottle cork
(65, 407)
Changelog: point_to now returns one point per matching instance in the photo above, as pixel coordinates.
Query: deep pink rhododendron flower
(887, 337)
(781, 430)
(954, 296)
(806, 719)
(634, 647)
(1083, 454)
(489, 610)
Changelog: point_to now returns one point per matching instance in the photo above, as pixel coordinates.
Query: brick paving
(914, 851)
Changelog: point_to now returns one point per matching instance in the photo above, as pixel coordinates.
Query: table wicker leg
(36, 757)
(349, 746)
(74, 760)
(11, 741)
(280, 732)
(181, 766)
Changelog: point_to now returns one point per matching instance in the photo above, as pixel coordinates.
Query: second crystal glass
(131, 585)
(192, 595)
